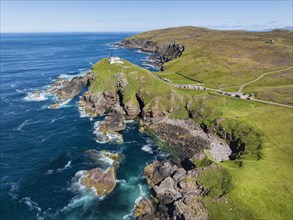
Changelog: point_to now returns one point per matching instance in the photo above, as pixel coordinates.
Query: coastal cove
(44, 148)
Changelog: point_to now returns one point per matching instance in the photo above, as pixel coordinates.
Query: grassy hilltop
(259, 188)
(227, 59)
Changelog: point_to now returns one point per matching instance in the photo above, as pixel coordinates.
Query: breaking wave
(36, 96)
(33, 206)
(71, 76)
(148, 147)
(14, 188)
(59, 170)
(103, 137)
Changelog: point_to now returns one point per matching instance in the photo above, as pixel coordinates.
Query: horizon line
(220, 28)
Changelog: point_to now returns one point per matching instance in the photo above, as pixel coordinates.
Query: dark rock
(162, 52)
(72, 89)
(179, 174)
(166, 192)
(114, 120)
(158, 171)
(97, 103)
(132, 109)
(177, 145)
(144, 209)
(175, 191)
(74, 86)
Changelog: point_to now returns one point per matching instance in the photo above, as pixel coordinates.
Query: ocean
(42, 149)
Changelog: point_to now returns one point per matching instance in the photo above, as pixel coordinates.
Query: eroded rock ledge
(176, 193)
(162, 52)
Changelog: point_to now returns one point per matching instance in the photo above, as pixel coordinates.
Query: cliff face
(163, 52)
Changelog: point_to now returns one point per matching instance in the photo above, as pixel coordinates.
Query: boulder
(179, 175)
(114, 120)
(158, 171)
(102, 181)
(167, 191)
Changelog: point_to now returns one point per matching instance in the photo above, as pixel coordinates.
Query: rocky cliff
(162, 52)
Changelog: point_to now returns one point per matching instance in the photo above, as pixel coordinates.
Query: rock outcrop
(162, 52)
(176, 191)
(144, 209)
(103, 182)
(97, 103)
(185, 138)
(73, 87)
(132, 109)
(114, 120)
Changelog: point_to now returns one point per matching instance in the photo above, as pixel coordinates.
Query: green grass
(217, 181)
(223, 58)
(276, 87)
(261, 188)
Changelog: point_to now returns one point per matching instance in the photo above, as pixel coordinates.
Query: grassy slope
(223, 58)
(275, 87)
(261, 189)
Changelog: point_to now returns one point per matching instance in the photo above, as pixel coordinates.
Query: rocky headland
(161, 53)
(194, 146)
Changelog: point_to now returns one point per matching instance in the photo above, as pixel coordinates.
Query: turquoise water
(42, 149)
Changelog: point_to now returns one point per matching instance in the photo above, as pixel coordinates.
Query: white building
(113, 60)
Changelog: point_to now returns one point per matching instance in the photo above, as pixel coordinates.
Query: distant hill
(219, 58)
(290, 28)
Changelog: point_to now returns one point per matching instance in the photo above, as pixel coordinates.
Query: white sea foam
(66, 166)
(59, 170)
(64, 103)
(113, 47)
(82, 112)
(150, 65)
(33, 206)
(14, 188)
(20, 127)
(36, 96)
(129, 121)
(25, 123)
(140, 51)
(105, 137)
(121, 181)
(142, 194)
(106, 159)
(148, 148)
(71, 76)
(84, 199)
(61, 104)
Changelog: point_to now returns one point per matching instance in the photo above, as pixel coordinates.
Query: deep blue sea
(42, 148)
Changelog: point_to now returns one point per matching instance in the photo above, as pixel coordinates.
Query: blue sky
(99, 16)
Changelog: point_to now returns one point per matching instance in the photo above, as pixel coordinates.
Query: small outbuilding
(113, 60)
